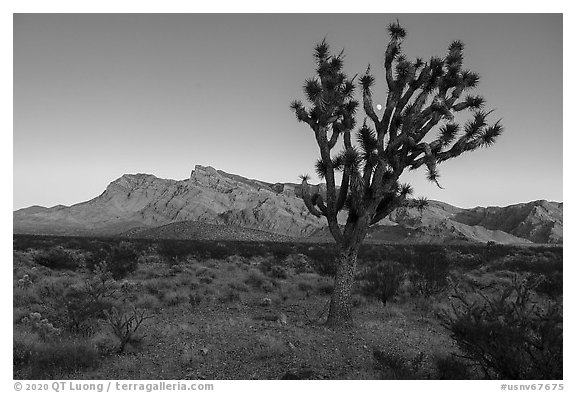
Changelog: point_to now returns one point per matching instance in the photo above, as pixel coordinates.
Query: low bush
(255, 278)
(395, 366)
(169, 252)
(54, 359)
(325, 286)
(123, 260)
(239, 286)
(509, 334)
(24, 344)
(84, 304)
(56, 258)
(452, 368)
(229, 295)
(278, 272)
(430, 274)
(381, 281)
(148, 301)
(175, 297)
(125, 323)
(195, 299)
(551, 285)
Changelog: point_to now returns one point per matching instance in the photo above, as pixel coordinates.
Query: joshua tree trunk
(340, 313)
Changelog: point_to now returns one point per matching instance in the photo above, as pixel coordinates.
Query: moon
(379, 107)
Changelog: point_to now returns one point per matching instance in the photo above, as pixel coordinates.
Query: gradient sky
(100, 95)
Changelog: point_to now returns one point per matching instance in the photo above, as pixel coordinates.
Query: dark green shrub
(509, 334)
(55, 359)
(125, 322)
(195, 299)
(25, 342)
(255, 279)
(123, 260)
(451, 368)
(83, 305)
(305, 286)
(206, 280)
(229, 295)
(325, 286)
(551, 285)
(278, 272)
(382, 280)
(394, 366)
(323, 259)
(56, 258)
(167, 250)
(430, 275)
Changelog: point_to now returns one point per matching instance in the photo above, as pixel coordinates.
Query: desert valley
(223, 277)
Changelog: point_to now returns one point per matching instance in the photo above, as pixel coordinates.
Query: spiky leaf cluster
(422, 99)
(330, 94)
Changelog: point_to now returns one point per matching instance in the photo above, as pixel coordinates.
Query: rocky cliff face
(142, 202)
(208, 196)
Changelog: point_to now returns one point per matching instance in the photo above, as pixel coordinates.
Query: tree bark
(340, 313)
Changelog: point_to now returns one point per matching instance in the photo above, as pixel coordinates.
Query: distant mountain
(214, 204)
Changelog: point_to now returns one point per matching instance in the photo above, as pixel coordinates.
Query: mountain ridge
(214, 197)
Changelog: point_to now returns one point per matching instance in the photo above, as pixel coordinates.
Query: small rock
(292, 346)
(267, 302)
(204, 351)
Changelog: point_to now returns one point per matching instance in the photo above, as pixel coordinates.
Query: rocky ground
(258, 317)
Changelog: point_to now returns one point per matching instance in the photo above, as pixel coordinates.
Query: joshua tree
(423, 98)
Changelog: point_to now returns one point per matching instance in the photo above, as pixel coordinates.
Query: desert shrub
(268, 286)
(123, 260)
(299, 262)
(358, 300)
(430, 275)
(531, 260)
(23, 297)
(42, 326)
(423, 305)
(255, 278)
(124, 323)
(156, 286)
(323, 259)
(452, 368)
(268, 346)
(206, 280)
(56, 258)
(305, 286)
(84, 304)
(229, 295)
(206, 272)
(325, 286)
(509, 334)
(551, 285)
(239, 286)
(24, 343)
(148, 301)
(97, 256)
(167, 250)
(194, 299)
(395, 366)
(175, 297)
(278, 272)
(105, 343)
(382, 280)
(55, 359)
